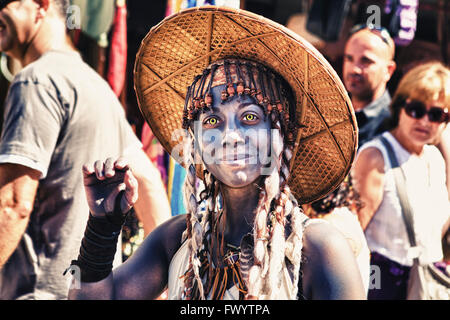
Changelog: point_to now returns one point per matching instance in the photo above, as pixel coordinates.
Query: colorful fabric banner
(154, 151)
(96, 18)
(175, 172)
(118, 51)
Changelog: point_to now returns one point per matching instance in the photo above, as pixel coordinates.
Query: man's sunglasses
(417, 110)
(4, 3)
(381, 32)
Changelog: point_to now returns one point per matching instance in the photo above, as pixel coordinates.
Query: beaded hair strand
(194, 232)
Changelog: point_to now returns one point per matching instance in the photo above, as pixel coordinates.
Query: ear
(391, 66)
(43, 6)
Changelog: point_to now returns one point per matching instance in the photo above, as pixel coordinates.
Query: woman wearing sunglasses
(419, 115)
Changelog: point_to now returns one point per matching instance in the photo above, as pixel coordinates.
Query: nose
(425, 121)
(355, 68)
(232, 138)
(232, 135)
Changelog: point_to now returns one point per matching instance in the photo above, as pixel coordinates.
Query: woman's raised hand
(104, 181)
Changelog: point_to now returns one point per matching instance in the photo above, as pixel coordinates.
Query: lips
(354, 79)
(236, 159)
(422, 131)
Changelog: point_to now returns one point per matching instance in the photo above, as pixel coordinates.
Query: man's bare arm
(18, 185)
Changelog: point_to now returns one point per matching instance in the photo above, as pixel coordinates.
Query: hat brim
(184, 44)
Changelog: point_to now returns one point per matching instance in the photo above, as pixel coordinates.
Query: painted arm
(144, 275)
(18, 185)
(330, 270)
(368, 177)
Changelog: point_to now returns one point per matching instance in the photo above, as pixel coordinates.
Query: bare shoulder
(169, 234)
(370, 158)
(145, 274)
(330, 270)
(321, 238)
(162, 243)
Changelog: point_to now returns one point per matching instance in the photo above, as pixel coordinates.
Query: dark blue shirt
(371, 118)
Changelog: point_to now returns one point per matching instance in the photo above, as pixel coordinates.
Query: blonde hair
(427, 82)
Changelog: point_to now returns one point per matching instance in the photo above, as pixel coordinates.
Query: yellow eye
(211, 121)
(250, 117)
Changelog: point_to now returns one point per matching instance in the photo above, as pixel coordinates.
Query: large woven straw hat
(184, 44)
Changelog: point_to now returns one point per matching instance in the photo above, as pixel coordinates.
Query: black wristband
(98, 249)
(99, 244)
(117, 217)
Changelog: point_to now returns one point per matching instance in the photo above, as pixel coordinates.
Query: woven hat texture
(183, 45)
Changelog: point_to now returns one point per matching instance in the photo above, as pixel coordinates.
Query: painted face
(233, 139)
(421, 131)
(17, 27)
(365, 68)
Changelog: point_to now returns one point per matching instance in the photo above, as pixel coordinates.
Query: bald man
(368, 66)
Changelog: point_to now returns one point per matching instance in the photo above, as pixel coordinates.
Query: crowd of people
(413, 122)
(72, 169)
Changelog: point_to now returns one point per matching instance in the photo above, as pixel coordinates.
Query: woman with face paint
(256, 115)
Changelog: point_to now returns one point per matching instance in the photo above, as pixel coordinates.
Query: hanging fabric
(118, 50)
(176, 173)
(96, 18)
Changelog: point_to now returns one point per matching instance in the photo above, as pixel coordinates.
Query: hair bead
(224, 96)
(230, 90)
(209, 100)
(240, 88)
(259, 97)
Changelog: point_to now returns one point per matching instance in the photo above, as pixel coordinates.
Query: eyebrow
(246, 104)
(214, 109)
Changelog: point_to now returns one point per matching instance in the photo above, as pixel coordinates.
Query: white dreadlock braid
(195, 230)
(198, 227)
(255, 277)
(265, 275)
(277, 240)
(294, 243)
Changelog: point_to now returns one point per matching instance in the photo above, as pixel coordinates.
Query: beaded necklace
(217, 277)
